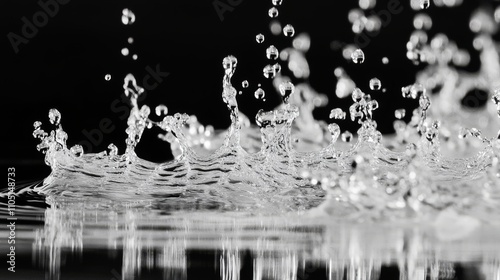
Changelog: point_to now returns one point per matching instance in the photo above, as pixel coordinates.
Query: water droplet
(130, 40)
(422, 22)
(357, 95)
(355, 15)
(229, 64)
(424, 4)
(37, 125)
(260, 93)
(161, 110)
(367, 4)
(273, 12)
(244, 84)
(286, 89)
(134, 57)
(269, 71)
(373, 23)
(334, 131)
(277, 2)
(302, 42)
(125, 51)
(107, 77)
(54, 116)
(275, 27)
(128, 17)
(259, 38)
(113, 150)
(417, 90)
(272, 52)
(337, 114)
(346, 136)
(375, 84)
(400, 113)
(358, 56)
(385, 60)
(288, 30)
(277, 68)
(482, 21)
(77, 150)
(424, 102)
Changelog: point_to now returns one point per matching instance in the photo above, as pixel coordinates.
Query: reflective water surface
(69, 239)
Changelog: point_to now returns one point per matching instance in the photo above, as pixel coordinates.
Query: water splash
(290, 162)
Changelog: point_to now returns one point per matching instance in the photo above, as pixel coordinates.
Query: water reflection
(293, 247)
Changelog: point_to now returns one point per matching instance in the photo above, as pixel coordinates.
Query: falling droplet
(277, 2)
(400, 113)
(375, 84)
(260, 93)
(272, 52)
(277, 68)
(107, 77)
(288, 30)
(269, 71)
(358, 56)
(337, 114)
(385, 60)
(37, 124)
(130, 40)
(347, 136)
(273, 12)
(134, 57)
(125, 52)
(161, 110)
(259, 38)
(286, 89)
(422, 22)
(54, 116)
(424, 4)
(244, 84)
(128, 17)
(275, 27)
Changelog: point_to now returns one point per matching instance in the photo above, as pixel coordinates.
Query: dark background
(64, 64)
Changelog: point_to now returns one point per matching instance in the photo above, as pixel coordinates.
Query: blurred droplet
(128, 17)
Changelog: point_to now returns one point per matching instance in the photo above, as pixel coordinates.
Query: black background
(64, 65)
